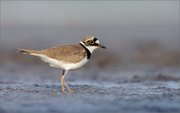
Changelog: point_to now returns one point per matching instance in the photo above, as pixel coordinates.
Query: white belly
(61, 64)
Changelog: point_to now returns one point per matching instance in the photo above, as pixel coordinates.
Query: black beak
(100, 46)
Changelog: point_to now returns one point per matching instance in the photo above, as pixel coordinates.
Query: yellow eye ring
(91, 42)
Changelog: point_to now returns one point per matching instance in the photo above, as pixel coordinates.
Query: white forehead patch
(97, 41)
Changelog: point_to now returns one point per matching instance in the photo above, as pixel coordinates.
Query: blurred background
(142, 39)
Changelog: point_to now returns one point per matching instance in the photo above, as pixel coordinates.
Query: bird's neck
(87, 51)
(90, 48)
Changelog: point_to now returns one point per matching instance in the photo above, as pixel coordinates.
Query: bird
(66, 57)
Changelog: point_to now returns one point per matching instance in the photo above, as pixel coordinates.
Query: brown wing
(67, 53)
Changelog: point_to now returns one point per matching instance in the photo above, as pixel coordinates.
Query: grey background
(138, 72)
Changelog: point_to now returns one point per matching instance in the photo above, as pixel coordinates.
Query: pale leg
(69, 89)
(63, 82)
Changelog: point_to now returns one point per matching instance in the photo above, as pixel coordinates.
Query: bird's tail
(26, 51)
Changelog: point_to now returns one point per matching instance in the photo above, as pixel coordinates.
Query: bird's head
(91, 43)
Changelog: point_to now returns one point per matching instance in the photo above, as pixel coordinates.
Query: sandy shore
(36, 89)
(141, 97)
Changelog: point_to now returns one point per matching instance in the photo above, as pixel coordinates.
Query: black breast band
(87, 51)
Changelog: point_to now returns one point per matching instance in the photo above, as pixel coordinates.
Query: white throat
(90, 48)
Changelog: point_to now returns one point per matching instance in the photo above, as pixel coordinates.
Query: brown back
(67, 53)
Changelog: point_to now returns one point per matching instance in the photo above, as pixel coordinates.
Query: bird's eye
(91, 42)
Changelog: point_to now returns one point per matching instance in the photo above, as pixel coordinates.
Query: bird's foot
(70, 91)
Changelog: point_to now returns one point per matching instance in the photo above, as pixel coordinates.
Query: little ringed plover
(67, 57)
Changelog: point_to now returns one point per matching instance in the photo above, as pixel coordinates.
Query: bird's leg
(62, 80)
(69, 89)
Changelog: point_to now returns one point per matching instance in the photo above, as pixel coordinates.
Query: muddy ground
(35, 89)
(144, 97)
